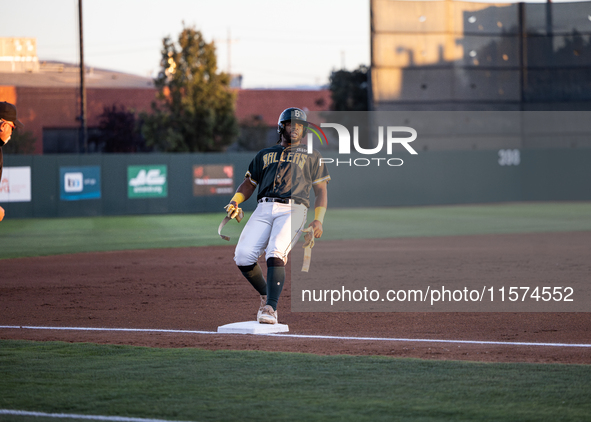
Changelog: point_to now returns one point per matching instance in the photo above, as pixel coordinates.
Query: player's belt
(281, 200)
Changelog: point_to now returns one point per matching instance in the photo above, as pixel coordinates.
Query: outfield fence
(134, 184)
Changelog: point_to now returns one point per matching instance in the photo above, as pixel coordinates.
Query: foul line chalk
(425, 340)
(71, 416)
(306, 336)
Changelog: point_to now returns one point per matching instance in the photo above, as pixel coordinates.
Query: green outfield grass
(198, 385)
(34, 237)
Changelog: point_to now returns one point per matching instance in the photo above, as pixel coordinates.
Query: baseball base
(252, 327)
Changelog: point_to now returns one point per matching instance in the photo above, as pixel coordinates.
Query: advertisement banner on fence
(148, 181)
(214, 179)
(77, 183)
(15, 185)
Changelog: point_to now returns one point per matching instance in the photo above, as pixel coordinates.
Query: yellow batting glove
(232, 209)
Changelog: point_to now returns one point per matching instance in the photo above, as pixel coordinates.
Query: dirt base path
(201, 289)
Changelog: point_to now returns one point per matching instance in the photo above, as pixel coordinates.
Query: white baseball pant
(273, 228)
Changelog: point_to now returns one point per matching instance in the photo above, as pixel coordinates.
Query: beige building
(454, 55)
(18, 55)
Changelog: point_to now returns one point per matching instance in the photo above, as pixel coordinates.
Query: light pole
(83, 128)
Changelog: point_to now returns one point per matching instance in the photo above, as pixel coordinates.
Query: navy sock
(254, 274)
(276, 278)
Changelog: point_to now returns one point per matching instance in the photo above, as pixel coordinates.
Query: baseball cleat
(268, 315)
(263, 303)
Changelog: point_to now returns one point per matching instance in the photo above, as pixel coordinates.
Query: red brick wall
(40, 108)
(270, 103)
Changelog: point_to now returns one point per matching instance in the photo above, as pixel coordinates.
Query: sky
(275, 44)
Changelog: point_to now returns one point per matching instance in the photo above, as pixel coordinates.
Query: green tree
(195, 107)
(118, 131)
(349, 93)
(349, 90)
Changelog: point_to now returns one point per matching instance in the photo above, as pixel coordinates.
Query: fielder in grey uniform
(284, 175)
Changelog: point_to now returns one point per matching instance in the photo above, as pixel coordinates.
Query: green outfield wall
(120, 184)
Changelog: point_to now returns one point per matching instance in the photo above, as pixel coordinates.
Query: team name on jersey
(273, 157)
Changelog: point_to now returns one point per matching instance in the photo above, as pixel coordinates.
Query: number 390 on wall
(509, 157)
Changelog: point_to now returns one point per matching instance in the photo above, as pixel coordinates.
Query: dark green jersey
(287, 172)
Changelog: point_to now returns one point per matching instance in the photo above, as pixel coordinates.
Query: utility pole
(228, 41)
(229, 52)
(83, 128)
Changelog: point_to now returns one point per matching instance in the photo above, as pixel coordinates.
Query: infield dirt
(201, 288)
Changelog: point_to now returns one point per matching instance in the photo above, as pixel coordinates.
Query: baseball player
(8, 123)
(284, 174)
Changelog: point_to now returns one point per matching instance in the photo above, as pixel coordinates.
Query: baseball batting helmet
(289, 115)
